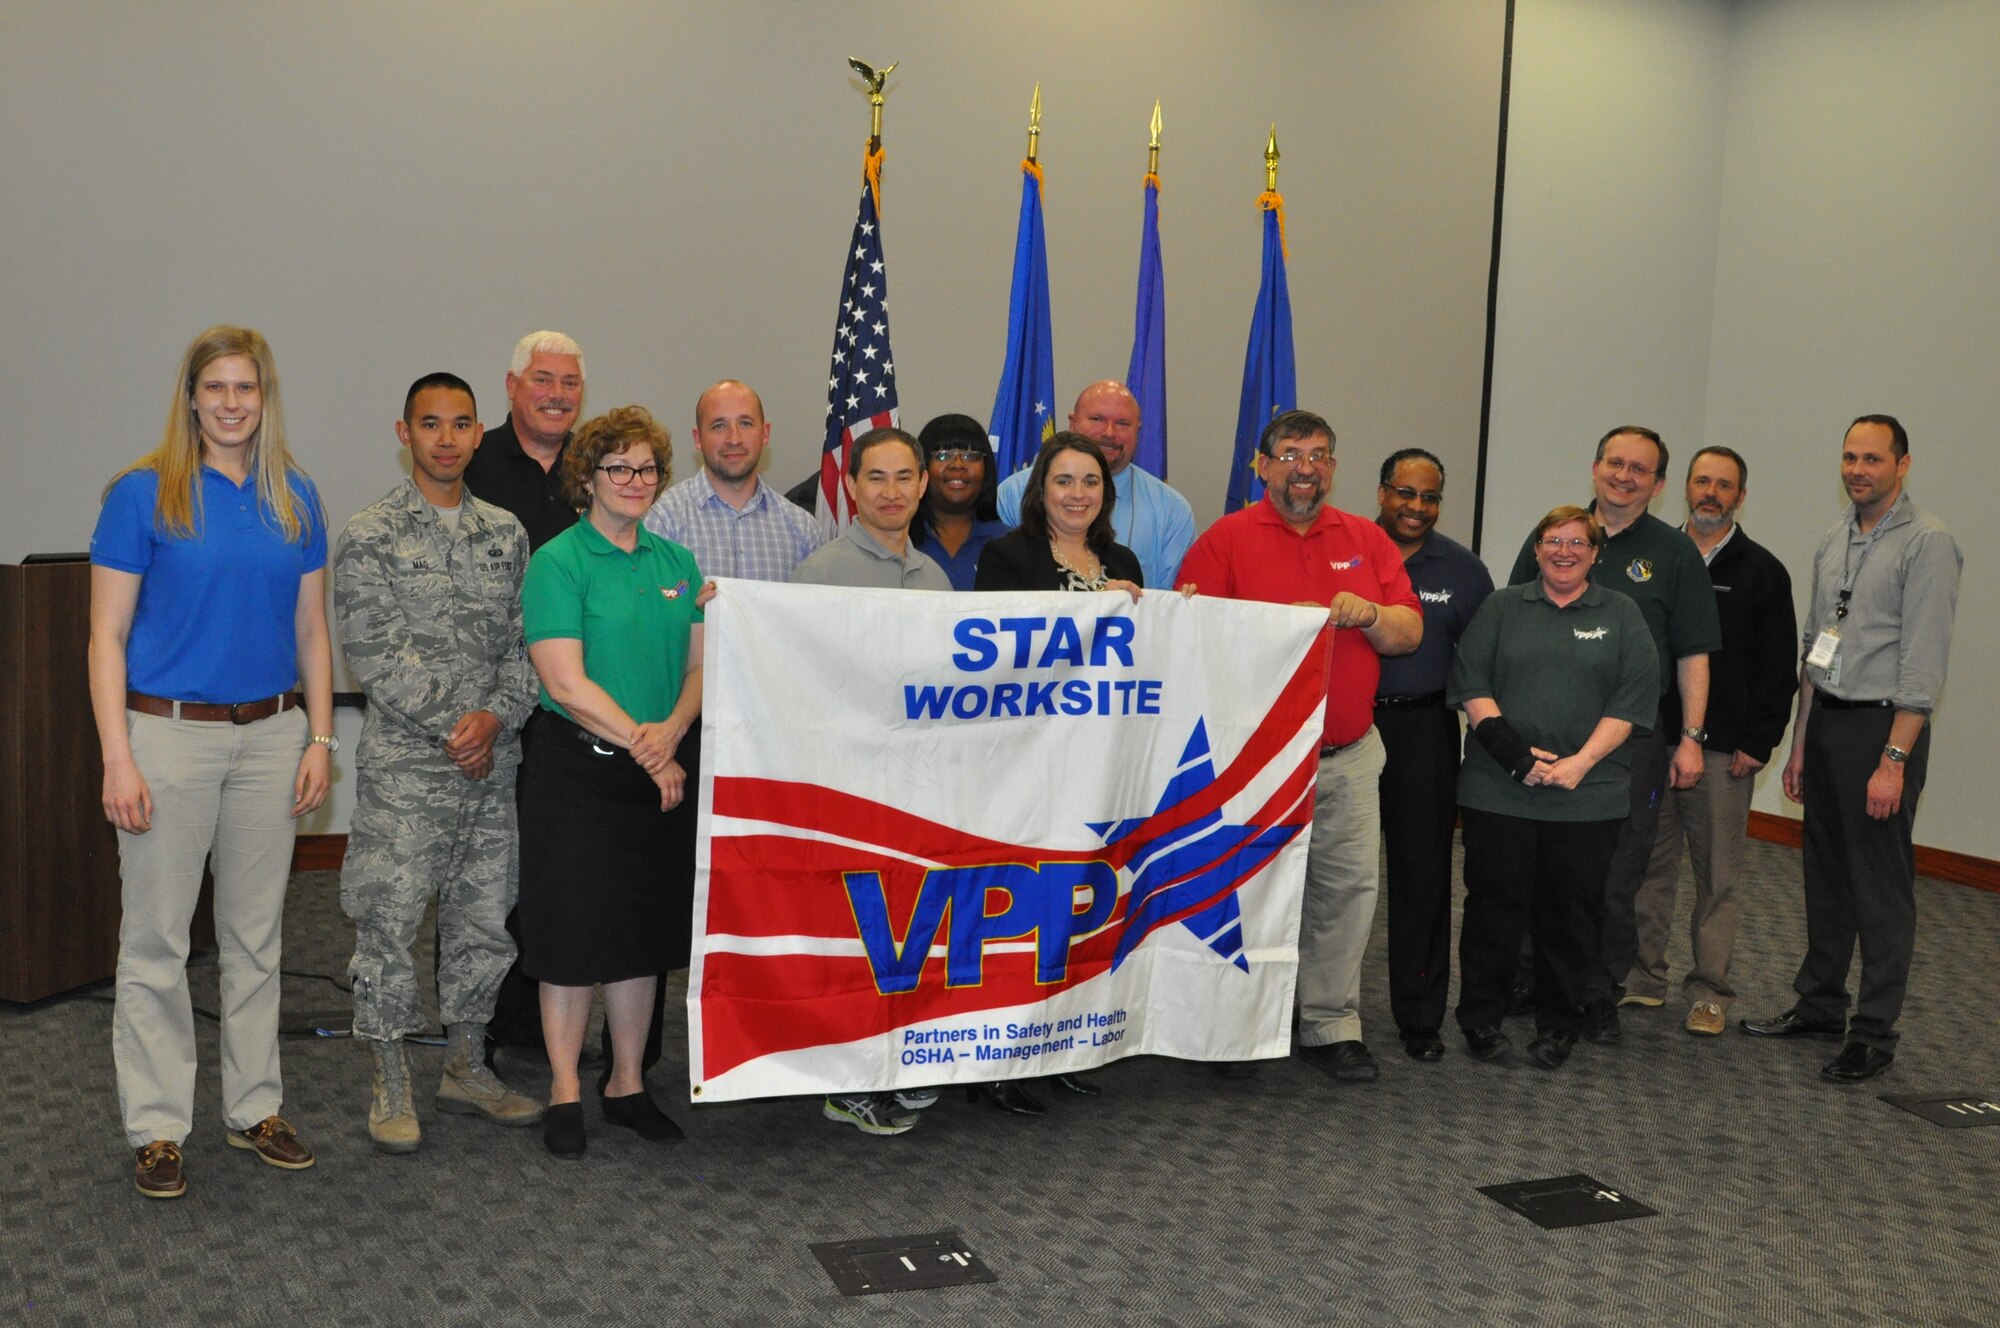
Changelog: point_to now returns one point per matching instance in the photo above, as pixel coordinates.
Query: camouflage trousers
(414, 837)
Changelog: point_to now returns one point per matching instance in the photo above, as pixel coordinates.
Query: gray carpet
(1178, 1198)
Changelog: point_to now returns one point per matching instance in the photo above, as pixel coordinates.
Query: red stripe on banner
(778, 885)
(821, 810)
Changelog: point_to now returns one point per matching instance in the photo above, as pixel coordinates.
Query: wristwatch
(1699, 735)
(328, 741)
(1895, 753)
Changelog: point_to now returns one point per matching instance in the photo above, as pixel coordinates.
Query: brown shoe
(275, 1141)
(1706, 1019)
(158, 1171)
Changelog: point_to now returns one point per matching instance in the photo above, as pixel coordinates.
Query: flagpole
(1146, 375)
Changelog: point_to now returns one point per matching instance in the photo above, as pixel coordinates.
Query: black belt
(1412, 702)
(1835, 703)
(597, 745)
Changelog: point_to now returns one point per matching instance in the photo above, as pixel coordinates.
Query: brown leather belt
(241, 712)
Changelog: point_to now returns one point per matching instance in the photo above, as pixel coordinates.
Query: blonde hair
(177, 459)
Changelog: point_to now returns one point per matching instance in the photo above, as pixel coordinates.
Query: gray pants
(416, 836)
(221, 792)
(1342, 870)
(1714, 819)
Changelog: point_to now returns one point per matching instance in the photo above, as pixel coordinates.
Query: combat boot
(392, 1120)
(469, 1087)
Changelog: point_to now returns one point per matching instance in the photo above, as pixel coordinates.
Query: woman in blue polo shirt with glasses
(207, 611)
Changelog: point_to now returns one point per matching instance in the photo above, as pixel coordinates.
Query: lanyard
(1849, 574)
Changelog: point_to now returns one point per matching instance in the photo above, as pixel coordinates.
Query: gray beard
(1709, 525)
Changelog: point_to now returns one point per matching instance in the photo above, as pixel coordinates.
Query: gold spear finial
(1153, 148)
(1271, 162)
(874, 79)
(1035, 123)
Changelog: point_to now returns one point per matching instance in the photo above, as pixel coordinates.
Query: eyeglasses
(1428, 497)
(1291, 456)
(621, 473)
(1632, 468)
(1556, 544)
(951, 454)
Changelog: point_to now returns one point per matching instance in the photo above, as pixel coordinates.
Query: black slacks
(1860, 875)
(1522, 874)
(1419, 810)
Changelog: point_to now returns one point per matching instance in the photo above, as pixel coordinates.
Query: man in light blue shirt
(724, 514)
(1149, 518)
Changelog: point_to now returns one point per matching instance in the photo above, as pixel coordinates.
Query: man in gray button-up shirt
(1877, 636)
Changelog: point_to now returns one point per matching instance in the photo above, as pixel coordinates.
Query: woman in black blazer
(1064, 539)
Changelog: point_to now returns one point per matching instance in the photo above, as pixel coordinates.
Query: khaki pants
(221, 792)
(1714, 818)
(1342, 870)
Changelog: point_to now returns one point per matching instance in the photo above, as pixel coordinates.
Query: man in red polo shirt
(1292, 548)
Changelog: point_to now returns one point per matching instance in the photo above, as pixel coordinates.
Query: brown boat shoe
(157, 1170)
(275, 1141)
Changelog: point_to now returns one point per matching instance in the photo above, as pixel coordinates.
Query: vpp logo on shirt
(1434, 596)
(1594, 634)
(1347, 566)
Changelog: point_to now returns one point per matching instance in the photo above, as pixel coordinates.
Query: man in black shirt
(516, 467)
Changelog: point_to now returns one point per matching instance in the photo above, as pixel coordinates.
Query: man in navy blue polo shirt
(1420, 734)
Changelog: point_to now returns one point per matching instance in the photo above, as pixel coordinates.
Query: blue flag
(1270, 375)
(1024, 407)
(861, 378)
(1147, 375)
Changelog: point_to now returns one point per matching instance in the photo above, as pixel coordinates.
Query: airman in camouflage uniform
(427, 600)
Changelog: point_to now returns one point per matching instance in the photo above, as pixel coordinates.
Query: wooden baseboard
(1937, 863)
(318, 852)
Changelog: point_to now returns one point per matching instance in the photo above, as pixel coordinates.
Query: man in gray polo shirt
(885, 481)
(1877, 637)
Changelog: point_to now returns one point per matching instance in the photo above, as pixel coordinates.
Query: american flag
(861, 382)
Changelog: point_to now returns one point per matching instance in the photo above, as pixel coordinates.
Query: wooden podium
(59, 904)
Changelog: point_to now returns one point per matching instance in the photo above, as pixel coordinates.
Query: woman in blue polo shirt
(207, 610)
(607, 887)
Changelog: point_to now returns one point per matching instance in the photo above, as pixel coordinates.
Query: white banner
(954, 838)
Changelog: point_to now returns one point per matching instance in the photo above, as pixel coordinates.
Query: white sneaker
(916, 1099)
(870, 1113)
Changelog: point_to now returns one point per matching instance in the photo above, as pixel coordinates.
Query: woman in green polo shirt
(615, 636)
(1552, 674)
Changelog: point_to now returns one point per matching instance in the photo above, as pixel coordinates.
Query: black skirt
(607, 878)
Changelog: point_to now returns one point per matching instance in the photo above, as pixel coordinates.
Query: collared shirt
(1713, 549)
(501, 473)
(430, 619)
(762, 541)
(1555, 672)
(1659, 569)
(1255, 554)
(1149, 518)
(216, 619)
(1896, 638)
(632, 611)
(1451, 583)
(962, 567)
(857, 558)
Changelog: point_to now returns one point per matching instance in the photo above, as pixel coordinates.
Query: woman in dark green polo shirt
(615, 636)
(1552, 674)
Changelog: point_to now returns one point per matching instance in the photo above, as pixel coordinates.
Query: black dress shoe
(1350, 1063)
(1070, 1083)
(1600, 1023)
(638, 1113)
(562, 1130)
(1550, 1048)
(1857, 1063)
(1009, 1097)
(1423, 1044)
(1790, 1024)
(1487, 1044)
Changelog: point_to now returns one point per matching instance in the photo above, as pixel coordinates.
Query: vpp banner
(958, 838)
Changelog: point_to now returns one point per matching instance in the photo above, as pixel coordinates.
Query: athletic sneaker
(870, 1113)
(916, 1099)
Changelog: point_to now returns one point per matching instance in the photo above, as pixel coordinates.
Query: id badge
(1824, 648)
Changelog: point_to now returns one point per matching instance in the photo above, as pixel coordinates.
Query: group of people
(525, 614)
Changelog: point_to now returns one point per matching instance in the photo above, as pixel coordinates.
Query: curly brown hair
(608, 435)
